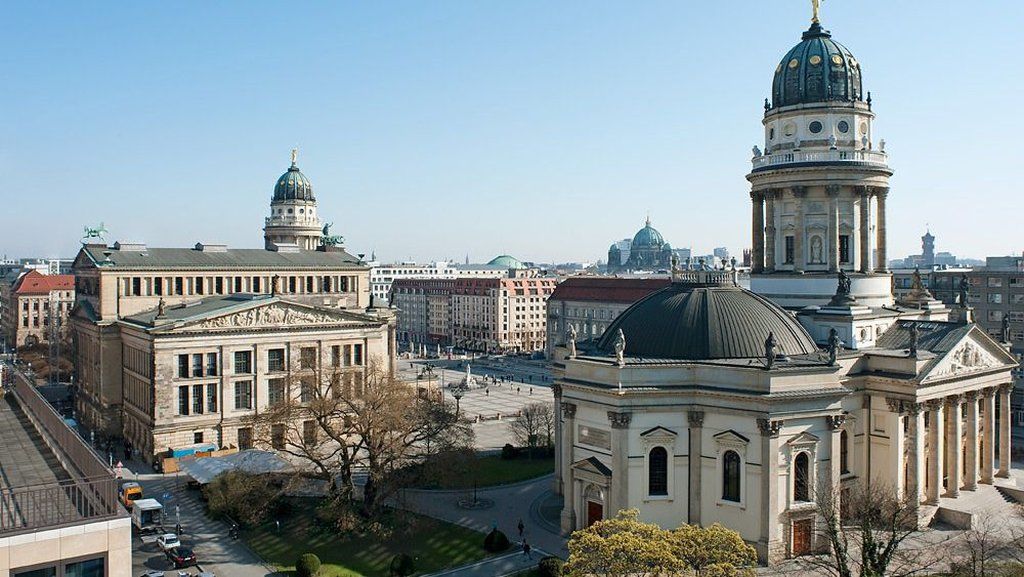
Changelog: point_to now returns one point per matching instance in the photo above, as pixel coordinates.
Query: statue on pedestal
(769, 351)
(620, 348)
(834, 342)
(570, 341)
(964, 287)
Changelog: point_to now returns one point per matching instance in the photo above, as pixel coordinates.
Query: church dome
(818, 69)
(293, 185)
(647, 237)
(506, 261)
(706, 321)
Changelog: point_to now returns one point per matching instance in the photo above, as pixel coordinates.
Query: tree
(243, 497)
(353, 418)
(865, 528)
(535, 427)
(620, 547)
(714, 551)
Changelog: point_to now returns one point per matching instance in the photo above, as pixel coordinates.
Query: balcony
(781, 159)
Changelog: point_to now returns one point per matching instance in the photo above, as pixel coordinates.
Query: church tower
(820, 185)
(293, 219)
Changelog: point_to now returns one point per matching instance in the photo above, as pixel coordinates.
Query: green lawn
(433, 544)
(493, 470)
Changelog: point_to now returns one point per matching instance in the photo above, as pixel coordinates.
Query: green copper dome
(507, 261)
(647, 237)
(818, 69)
(293, 185)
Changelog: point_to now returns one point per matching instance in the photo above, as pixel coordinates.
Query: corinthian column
(936, 417)
(757, 229)
(865, 230)
(568, 483)
(556, 390)
(769, 231)
(971, 482)
(1004, 430)
(881, 193)
(955, 463)
(832, 191)
(915, 458)
(988, 432)
(799, 260)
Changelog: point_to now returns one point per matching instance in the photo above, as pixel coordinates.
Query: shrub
(402, 565)
(508, 452)
(550, 567)
(496, 541)
(308, 565)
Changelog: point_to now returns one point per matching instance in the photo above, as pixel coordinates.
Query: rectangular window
(346, 358)
(357, 355)
(211, 364)
(291, 284)
(197, 365)
(336, 355)
(256, 284)
(243, 395)
(183, 366)
(136, 286)
(995, 282)
(211, 398)
(238, 284)
(844, 248)
(275, 391)
(244, 438)
(197, 438)
(275, 360)
(158, 286)
(218, 285)
(790, 250)
(306, 387)
(183, 400)
(197, 399)
(995, 298)
(309, 432)
(87, 568)
(277, 436)
(179, 285)
(243, 362)
(307, 358)
(198, 283)
(309, 284)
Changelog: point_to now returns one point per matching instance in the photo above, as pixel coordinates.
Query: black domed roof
(293, 185)
(690, 321)
(818, 69)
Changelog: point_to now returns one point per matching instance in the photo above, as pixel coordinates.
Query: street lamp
(458, 392)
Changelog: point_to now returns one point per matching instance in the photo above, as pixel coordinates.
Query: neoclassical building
(705, 402)
(647, 251)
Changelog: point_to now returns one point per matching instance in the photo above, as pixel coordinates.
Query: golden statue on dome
(816, 5)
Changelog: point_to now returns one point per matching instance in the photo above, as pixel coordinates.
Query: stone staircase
(965, 511)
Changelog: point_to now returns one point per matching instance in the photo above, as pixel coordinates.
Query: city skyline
(462, 125)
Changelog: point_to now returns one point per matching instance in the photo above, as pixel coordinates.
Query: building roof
(293, 185)
(607, 289)
(706, 321)
(647, 237)
(139, 257)
(506, 261)
(35, 283)
(818, 69)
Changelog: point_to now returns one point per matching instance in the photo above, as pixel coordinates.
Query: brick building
(32, 303)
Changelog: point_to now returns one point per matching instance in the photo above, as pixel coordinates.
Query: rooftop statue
(770, 346)
(964, 288)
(620, 348)
(834, 343)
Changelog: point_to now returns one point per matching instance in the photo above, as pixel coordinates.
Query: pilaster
(568, 483)
(770, 546)
(799, 235)
(696, 420)
(620, 459)
(832, 191)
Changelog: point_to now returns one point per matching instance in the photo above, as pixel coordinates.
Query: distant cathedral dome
(647, 237)
(706, 321)
(293, 185)
(507, 261)
(818, 69)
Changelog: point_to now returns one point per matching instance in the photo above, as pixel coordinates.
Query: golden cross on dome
(295, 155)
(816, 5)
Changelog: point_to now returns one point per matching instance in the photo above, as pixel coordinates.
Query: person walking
(527, 550)
(521, 528)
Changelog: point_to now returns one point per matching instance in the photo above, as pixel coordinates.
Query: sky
(446, 129)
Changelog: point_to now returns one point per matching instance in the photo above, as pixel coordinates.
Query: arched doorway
(593, 503)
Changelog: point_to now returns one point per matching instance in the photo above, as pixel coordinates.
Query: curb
(479, 489)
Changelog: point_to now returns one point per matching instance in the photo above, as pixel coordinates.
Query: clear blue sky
(433, 129)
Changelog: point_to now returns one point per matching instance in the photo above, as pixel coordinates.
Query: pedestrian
(531, 390)
(526, 550)
(177, 529)
(487, 392)
(519, 390)
(521, 527)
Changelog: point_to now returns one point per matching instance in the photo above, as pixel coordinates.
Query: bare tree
(979, 551)
(347, 420)
(535, 427)
(866, 528)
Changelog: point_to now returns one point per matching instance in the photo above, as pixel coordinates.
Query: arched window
(731, 476)
(657, 471)
(801, 478)
(844, 452)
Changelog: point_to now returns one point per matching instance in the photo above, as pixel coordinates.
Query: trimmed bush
(402, 565)
(508, 452)
(308, 565)
(550, 567)
(496, 542)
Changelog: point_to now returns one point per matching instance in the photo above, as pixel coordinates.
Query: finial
(816, 5)
(648, 222)
(295, 155)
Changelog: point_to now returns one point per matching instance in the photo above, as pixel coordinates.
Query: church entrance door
(595, 512)
(802, 537)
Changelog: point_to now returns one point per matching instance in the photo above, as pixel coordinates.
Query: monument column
(1004, 430)
(882, 264)
(832, 191)
(865, 231)
(568, 483)
(770, 543)
(955, 432)
(915, 458)
(556, 390)
(693, 508)
(620, 462)
(799, 258)
(757, 226)
(971, 482)
(936, 416)
(769, 230)
(988, 434)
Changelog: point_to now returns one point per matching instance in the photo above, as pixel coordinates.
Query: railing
(89, 495)
(868, 156)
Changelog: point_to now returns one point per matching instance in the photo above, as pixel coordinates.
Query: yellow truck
(129, 493)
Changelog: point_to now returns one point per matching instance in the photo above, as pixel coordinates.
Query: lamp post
(458, 392)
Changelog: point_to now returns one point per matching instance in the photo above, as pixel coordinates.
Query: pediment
(975, 353)
(658, 431)
(731, 436)
(804, 438)
(274, 315)
(593, 465)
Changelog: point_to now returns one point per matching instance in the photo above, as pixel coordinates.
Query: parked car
(181, 557)
(168, 541)
(153, 574)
